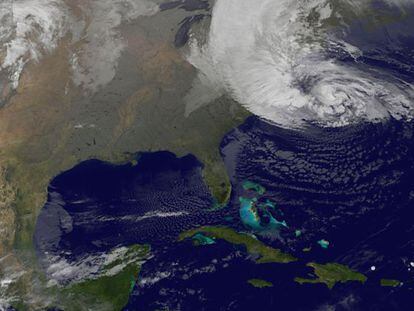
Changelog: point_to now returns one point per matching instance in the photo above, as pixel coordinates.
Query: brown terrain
(50, 124)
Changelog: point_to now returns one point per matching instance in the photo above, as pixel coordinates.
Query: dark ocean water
(97, 206)
(351, 186)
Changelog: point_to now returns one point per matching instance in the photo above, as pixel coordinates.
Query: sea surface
(351, 186)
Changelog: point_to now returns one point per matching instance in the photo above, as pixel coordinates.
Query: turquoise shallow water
(351, 187)
(259, 216)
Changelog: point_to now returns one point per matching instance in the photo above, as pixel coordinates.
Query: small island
(390, 282)
(259, 283)
(252, 245)
(332, 273)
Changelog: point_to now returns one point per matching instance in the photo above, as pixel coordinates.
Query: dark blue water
(351, 186)
(97, 206)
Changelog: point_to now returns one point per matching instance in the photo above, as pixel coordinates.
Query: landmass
(252, 245)
(111, 289)
(259, 283)
(332, 273)
(390, 282)
(249, 214)
(53, 122)
(251, 206)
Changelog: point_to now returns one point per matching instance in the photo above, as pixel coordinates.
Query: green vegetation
(259, 283)
(215, 176)
(110, 292)
(332, 273)
(111, 289)
(390, 282)
(253, 246)
(39, 139)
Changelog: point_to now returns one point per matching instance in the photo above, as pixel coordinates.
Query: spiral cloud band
(295, 61)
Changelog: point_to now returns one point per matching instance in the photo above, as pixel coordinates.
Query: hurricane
(326, 62)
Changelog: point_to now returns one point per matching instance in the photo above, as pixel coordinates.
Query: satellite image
(206, 155)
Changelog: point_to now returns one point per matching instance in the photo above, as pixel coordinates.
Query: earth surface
(206, 155)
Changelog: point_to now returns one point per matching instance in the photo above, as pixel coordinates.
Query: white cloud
(271, 60)
(32, 28)
(95, 63)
